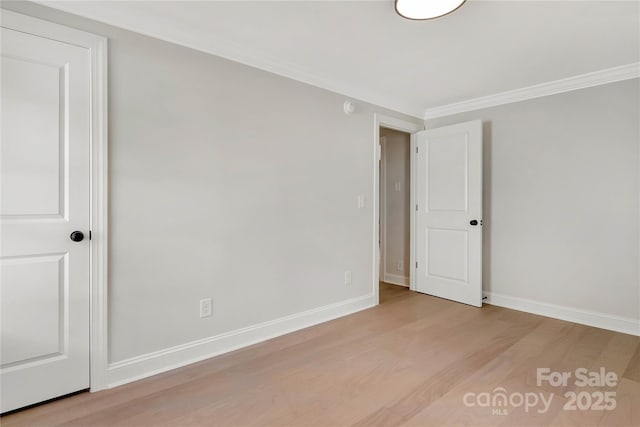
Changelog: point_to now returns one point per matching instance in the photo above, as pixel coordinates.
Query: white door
(45, 184)
(449, 212)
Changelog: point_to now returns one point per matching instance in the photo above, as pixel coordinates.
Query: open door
(448, 188)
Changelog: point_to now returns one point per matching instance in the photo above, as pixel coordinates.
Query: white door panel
(44, 196)
(32, 167)
(446, 254)
(32, 282)
(447, 174)
(449, 198)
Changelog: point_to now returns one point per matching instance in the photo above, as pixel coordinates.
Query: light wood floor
(408, 362)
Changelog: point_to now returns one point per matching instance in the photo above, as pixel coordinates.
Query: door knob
(473, 222)
(77, 236)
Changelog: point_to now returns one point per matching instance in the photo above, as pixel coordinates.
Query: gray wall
(225, 182)
(395, 208)
(561, 198)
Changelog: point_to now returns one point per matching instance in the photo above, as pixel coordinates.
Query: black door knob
(473, 222)
(77, 236)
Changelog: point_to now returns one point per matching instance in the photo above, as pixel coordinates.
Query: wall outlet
(399, 266)
(362, 202)
(397, 186)
(206, 307)
(347, 277)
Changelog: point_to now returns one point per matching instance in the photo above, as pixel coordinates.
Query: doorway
(393, 252)
(394, 223)
(444, 217)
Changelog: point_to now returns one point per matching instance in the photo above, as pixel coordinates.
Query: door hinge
(416, 265)
(89, 234)
(416, 208)
(416, 150)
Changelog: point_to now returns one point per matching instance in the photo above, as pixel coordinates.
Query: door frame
(381, 120)
(382, 201)
(97, 47)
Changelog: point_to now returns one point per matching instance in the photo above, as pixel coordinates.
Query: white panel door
(44, 197)
(449, 212)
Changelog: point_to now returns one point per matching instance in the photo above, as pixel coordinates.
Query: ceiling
(366, 51)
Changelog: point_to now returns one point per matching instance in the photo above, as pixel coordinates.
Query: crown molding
(207, 43)
(581, 81)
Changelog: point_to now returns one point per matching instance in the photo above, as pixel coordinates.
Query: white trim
(99, 216)
(394, 123)
(257, 59)
(383, 203)
(609, 75)
(412, 216)
(232, 51)
(164, 360)
(396, 279)
(625, 325)
(97, 47)
(403, 126)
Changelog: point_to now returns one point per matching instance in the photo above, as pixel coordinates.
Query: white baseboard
(395, 279)
(625, 325)
(149, 364)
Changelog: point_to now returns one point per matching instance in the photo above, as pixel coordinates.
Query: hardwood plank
(627, 412)
(409, 361)
(633, 369)
(509, 370)
(389, 292)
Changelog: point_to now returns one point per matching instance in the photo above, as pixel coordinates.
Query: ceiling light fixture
(426, 9)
